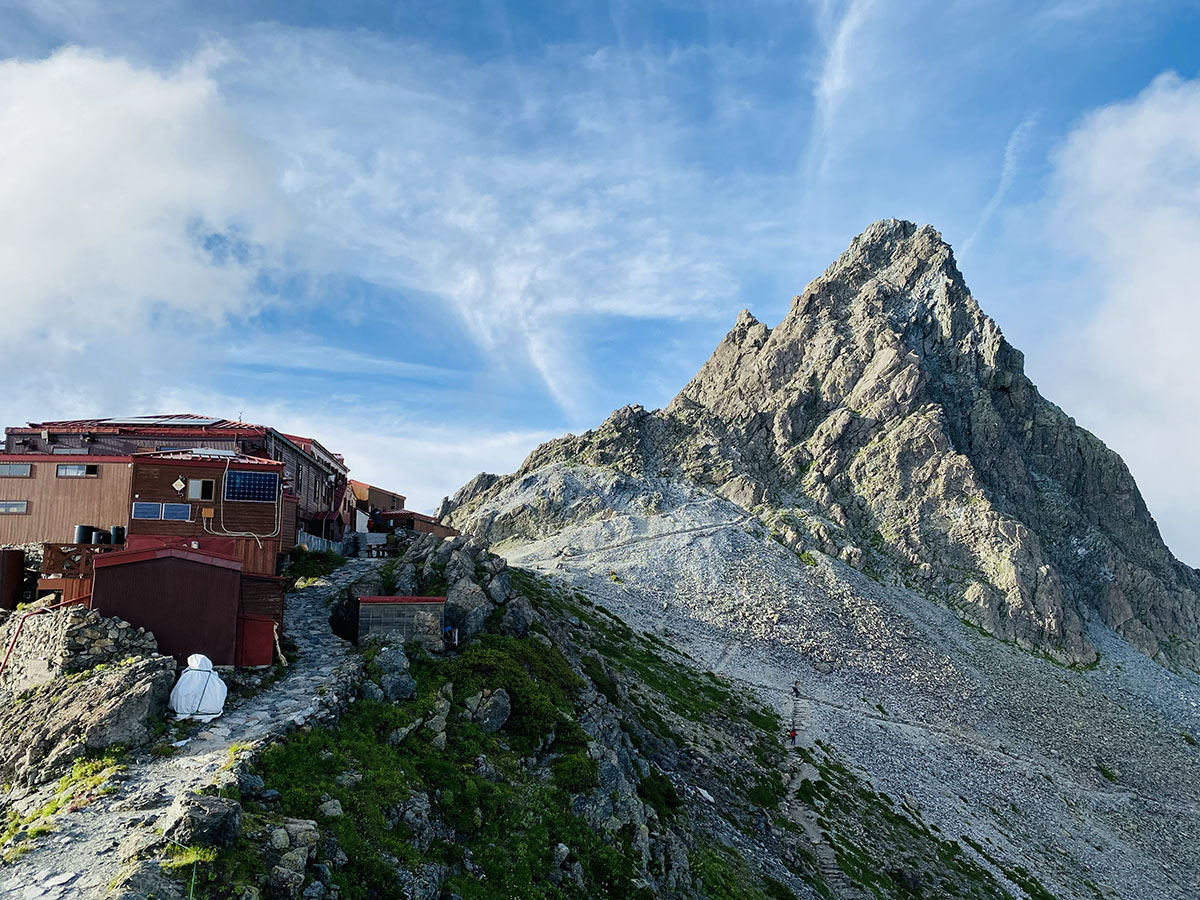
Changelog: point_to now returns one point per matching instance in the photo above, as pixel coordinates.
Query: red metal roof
(400, 599)
(208, 456)
(170, 420)
(122, 557)
(62, 458)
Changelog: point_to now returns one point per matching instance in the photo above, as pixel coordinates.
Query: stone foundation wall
(410, 619)
(57, 643)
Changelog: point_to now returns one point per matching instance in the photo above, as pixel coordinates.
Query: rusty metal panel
(191, 607)
(12, 575)
(72, 560)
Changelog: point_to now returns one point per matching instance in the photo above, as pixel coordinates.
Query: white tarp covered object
(200, 692)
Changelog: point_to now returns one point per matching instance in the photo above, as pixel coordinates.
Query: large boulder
(518, 617)
(427, 631)
(467, 609)
(206, 821)
(494, 710)
(394, 677)
(500, 587)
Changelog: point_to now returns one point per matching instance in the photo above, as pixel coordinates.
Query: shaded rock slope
(888, 422)
(574, 758)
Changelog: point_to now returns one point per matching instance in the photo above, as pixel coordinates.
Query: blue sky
(436, 234)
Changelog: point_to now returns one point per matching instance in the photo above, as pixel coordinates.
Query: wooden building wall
(57, 505)
(308, 476)
(377, 498)
(152, 483)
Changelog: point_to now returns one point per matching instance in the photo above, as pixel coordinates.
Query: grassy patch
(575, 773)
(509, 827)
(657, 790)
(724, 875)
(306, 566)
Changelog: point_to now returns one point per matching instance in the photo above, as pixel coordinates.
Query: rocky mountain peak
(891, 411)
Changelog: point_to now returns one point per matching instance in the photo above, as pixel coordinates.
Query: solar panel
(177, 512)
(253, 487)
(147, 510)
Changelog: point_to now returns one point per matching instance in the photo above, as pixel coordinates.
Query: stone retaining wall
(74, 639)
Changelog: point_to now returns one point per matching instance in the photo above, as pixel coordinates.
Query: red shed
(187, 597)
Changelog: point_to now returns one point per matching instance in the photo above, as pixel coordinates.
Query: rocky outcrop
(196, 819)
(52, 725)
(893, 417)
(474, 581)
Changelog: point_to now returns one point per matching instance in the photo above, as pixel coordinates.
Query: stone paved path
(80, 858)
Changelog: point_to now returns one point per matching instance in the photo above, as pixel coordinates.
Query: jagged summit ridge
(891, 412)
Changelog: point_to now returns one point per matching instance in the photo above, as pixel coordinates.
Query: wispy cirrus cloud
(527, 198)
(1013, 150)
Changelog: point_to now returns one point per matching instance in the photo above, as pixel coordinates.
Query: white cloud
(1128, 199)
(137, 216)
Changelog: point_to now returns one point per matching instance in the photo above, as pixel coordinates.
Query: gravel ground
(1082, 777)
(81, 857)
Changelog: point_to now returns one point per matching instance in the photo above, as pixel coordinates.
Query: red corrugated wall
(255, 640)
(191, 607)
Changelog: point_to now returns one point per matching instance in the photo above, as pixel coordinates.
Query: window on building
(252, 487)
(177, 512)
(15, 470)
(76, 470)
(147, 510)
(200, 489)
(13, 507)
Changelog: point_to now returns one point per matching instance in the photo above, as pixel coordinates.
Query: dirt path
(81, 858)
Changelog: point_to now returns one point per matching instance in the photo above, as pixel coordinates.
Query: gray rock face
(207, 821)
(518, 617)
(65, 718)
(493, 711)
(467, 609)
(144, 880)
(395, 680)
(890, 412)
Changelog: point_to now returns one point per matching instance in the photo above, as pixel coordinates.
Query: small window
(13, 507)
(177, 512)
(75, 470)
(147, 510)
(200, 488)
(15, 470)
